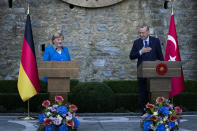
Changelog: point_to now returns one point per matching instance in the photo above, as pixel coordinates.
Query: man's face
(143, 32)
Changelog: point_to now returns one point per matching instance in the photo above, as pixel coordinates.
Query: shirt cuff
(140, 52)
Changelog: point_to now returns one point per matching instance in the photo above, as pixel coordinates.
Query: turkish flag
(172, 54)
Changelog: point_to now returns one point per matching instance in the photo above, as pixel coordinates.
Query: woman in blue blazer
(56, 52)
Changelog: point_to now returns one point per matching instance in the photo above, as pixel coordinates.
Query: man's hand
(145, 50)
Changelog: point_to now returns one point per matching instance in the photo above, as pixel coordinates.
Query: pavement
(95, 122)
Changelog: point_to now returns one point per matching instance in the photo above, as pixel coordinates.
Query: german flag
(28, 80)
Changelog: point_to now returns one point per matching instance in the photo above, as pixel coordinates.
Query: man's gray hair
(147, 27)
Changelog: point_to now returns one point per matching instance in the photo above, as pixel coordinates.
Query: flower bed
(58, 116)
(161, 117)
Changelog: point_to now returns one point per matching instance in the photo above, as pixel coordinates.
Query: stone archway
(92, 3)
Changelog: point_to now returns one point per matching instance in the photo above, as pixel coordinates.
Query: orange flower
(46, 103)
(178, 110)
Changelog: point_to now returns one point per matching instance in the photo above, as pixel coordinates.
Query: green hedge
(191, 86)
(8, 86)
(123, 86)
(118, 86)
(107, 96)
(12, 102)
(188, 101)
(126, 102)
(93, 97)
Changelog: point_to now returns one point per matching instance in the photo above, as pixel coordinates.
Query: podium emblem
(161, 69)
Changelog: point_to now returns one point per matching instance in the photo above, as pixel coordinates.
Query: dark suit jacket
(154, 54)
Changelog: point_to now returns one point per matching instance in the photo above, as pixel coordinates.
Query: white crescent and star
(172, 58)
(174, 42)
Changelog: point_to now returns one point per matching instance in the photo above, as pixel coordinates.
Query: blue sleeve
(69, 59)
(67, 53)
(46, 55)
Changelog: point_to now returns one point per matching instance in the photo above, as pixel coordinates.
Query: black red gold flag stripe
(28, 80)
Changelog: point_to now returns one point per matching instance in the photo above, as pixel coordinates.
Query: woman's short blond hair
(57, 35)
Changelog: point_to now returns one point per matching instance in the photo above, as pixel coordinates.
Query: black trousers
(143, 93)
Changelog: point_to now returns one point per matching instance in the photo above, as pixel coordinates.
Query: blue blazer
(50, 54)
(154, 54)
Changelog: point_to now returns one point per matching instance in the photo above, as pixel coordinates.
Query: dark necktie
(146, 44)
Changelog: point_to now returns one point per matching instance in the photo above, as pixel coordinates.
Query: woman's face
(58, 42)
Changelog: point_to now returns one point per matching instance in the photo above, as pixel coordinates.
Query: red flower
(160, 99)
(161, 69)
(154, 118)
(46, 103)
(150, 106)
(178, 110)
(47, 121)
(174, 118)
(70, 123)
(73, 107)
(59, 98)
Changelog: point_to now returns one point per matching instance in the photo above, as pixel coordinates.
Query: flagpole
(28, 109)
(28, 8)
(172, 2)
(172, 12)
(177, 83)
(28, 117)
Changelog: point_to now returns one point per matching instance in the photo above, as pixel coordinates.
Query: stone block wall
(99, 39)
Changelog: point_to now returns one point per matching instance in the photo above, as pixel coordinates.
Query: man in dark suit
(146, 48)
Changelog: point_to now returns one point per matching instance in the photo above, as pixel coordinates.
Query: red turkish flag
(172, 54)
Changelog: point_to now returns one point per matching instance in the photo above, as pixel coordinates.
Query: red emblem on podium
(161, 69)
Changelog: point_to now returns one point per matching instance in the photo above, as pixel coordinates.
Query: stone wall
(99, 39)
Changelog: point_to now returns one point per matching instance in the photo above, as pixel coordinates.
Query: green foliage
(93, 97)
(107, 96)
(123, 86)
(127, 101)
(13, 102)
(37, 100)
(73, 83)
(187, 101)
(2, 108)
(190, 86)
(8, 86)
(43, 86)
